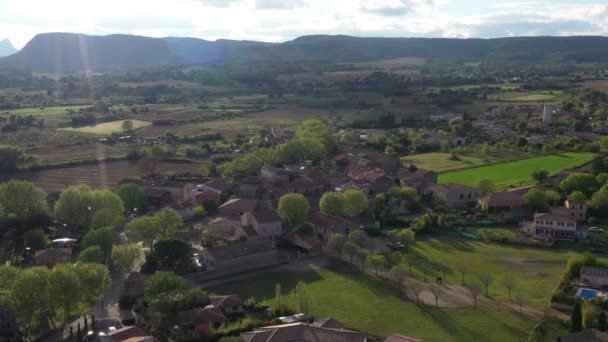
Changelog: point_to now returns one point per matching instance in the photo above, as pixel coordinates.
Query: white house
(554, 226)
(594, 276)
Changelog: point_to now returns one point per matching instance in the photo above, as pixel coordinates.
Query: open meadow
(517, 172)
(107, 127)
(367, 303)
(441, 162)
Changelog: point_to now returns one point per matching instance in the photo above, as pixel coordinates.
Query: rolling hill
(67, 51)
(6, 48)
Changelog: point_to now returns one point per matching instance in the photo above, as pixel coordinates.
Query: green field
(441, 162)
(517, 172)
(537, 271)
(363, 302)
(106, 127)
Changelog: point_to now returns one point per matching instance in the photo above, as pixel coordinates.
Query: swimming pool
(587, 293)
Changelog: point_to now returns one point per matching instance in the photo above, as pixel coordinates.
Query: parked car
(396, 246)
(596, 230)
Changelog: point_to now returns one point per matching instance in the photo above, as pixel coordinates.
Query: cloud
(391, 8)
(218, 3)
(279, 4)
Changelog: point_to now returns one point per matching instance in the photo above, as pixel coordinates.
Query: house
(325, 225)
(213, 190)
(225, 225)
(594, 276)
(251, 187)
(52, 256)
(578, 209)
(130, 334)
(229, 305)
(507, 202)
(454, 196)
(587, 335)
(238, 206)
(185, 209)
(419, 179)
(239, 257)
(329, 322)
(446, 117)
(202, 320)
(401, 338)
(274, 174)
(554, 226)
(135, 285)
(157, 198)
(302, 331)
(251, 213)
(304, 244)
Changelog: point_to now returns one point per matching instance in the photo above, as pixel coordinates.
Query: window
(461, 196)
(469, 195)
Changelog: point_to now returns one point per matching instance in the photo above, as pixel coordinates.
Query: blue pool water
(587, 293)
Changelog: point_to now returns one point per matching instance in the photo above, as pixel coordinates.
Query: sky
(283, 20)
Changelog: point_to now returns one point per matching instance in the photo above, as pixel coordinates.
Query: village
(174, 238)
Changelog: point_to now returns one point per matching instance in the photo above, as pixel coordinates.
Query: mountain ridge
(73, 52)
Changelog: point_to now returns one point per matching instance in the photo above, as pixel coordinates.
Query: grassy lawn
(507, 233)
(517, 172)
(537, 271)
(366, 303)
(106, 127)
(441, 162)
(43, 111)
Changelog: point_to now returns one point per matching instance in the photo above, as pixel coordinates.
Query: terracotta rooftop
(220, 185)
(503, 199)
(302, 332)
(554, 217)
(449, 187)
(221, 301)
(240, 204)
(241, 249)
(587, 335)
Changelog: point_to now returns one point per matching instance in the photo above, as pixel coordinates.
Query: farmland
(107, 127)
(343, 293)
(102, 175)
(518, 172)
(441, 162)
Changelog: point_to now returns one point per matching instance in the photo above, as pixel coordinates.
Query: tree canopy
(293, 208)
(132, 196)
(163, 287)
(23, 199)
(536, 200)
(107, 217)
(355, 202)
(125, 256)
(173, 252)
(583, 182)
(332, 203)
(486, 186)
(77, 204)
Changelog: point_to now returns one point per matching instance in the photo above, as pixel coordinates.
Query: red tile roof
(222, 301)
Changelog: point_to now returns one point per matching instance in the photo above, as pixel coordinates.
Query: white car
(596, 230)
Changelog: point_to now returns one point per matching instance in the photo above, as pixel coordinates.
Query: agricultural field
(45, 111)
(518, 172)
(107, 127)
(442, 162)
(601, 85)
(549, 96)
(53, 154)
(102, 175)
(366, 303)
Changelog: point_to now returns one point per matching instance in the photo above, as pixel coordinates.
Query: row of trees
(39, 295)
(77, 206)
(349, 203)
